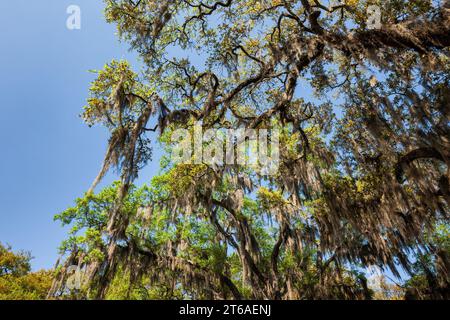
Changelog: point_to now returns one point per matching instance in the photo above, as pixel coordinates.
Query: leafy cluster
(17, 282)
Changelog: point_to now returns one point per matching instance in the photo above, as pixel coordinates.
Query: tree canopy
(17, 282)
(363, 177)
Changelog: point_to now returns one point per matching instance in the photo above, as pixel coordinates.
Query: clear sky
(48, 157)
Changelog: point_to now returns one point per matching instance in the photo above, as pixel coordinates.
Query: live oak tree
(365, 151)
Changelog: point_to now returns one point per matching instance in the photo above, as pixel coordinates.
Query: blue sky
(48, 156)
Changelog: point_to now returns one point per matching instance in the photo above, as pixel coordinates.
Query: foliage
(17, 282)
